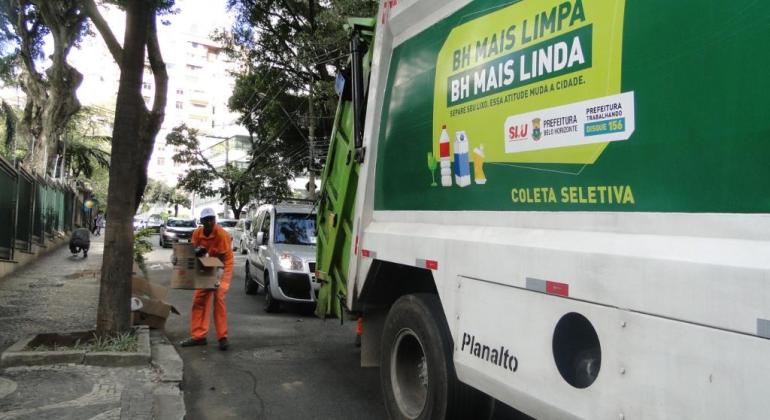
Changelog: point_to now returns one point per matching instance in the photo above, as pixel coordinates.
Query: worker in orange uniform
(212, 239)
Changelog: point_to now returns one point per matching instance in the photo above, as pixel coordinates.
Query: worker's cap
(208, 212)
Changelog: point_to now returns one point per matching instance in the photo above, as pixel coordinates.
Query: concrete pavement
(59, 293)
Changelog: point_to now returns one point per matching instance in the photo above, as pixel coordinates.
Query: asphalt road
(287, 365)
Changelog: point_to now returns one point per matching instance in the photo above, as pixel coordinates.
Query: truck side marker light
(548, 286)
(368, 254)
(763, 327)
(429, 264)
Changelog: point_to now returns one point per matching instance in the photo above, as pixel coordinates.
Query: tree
(264, 179)
(286, 50)
(8, 131)
(133, 136)
(159, 193)
(84, 147)
(51, 93)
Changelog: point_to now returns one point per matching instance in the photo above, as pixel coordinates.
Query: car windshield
(228, 223)
(295, 229)
(181, 223)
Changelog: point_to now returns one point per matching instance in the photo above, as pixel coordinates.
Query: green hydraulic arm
(339, 179)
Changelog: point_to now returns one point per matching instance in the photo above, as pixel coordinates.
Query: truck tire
(417, 373)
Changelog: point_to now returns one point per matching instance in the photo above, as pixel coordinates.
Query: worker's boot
(189, 342)
(223, 344)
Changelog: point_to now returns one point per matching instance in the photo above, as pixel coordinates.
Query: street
(289, 365)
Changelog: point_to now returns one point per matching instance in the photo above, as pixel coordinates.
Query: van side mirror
(260, 238)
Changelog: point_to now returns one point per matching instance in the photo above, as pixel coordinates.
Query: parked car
(242, 235)
(281, 259)
(228, 225)
(138, 223)
(176, 231)
(153, 222)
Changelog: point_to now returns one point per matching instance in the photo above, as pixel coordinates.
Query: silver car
(242, 236)
(281, 259)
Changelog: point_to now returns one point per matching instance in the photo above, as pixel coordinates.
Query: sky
(200, 17)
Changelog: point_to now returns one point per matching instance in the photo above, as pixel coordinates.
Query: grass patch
(125, 342)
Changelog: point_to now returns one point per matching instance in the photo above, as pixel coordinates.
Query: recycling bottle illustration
(462, 166)
(478, 165)
(445, 158)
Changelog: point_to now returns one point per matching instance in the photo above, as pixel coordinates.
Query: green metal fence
(33, 209)
(8, 181)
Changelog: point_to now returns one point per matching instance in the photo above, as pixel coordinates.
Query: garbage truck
(556, 205)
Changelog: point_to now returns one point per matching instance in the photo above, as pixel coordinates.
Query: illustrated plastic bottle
(478, 165)
(445, 158)
(462, 165)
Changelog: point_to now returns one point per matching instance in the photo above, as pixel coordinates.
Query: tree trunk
(113, 314)
(176, 210)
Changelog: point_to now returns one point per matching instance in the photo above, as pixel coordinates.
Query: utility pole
(311, 138)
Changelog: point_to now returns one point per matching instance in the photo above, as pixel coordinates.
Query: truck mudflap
(339, 179)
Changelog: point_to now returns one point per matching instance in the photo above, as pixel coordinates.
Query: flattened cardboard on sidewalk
(194, 273)
(154, 310)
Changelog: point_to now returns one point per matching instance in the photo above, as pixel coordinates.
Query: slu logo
(536, 133)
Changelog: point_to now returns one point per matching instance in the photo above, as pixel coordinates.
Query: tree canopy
(286, 50)
(263, 179)
(51, 98)
(158, 192)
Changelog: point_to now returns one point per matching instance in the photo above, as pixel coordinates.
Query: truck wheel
(251, 286)
(271, 305)
(417, 373)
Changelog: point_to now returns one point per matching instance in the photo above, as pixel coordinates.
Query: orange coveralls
(219, 245)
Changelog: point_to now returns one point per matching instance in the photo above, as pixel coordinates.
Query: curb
(168, 399)
(17, 356)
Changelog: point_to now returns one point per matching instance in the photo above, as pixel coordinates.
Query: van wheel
(271, 305)
(251, 286)
(417, 373)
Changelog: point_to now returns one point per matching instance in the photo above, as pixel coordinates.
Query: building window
(146, 86)
(180, 91)
(179, 105)
(161, 161)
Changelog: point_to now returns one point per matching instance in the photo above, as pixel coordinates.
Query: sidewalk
(58, 293)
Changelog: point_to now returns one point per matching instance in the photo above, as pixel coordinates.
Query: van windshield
(295, 229)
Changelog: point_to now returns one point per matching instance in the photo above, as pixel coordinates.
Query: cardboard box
(191, 272)
(153, 310)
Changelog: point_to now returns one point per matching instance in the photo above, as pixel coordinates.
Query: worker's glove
(200, 251)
